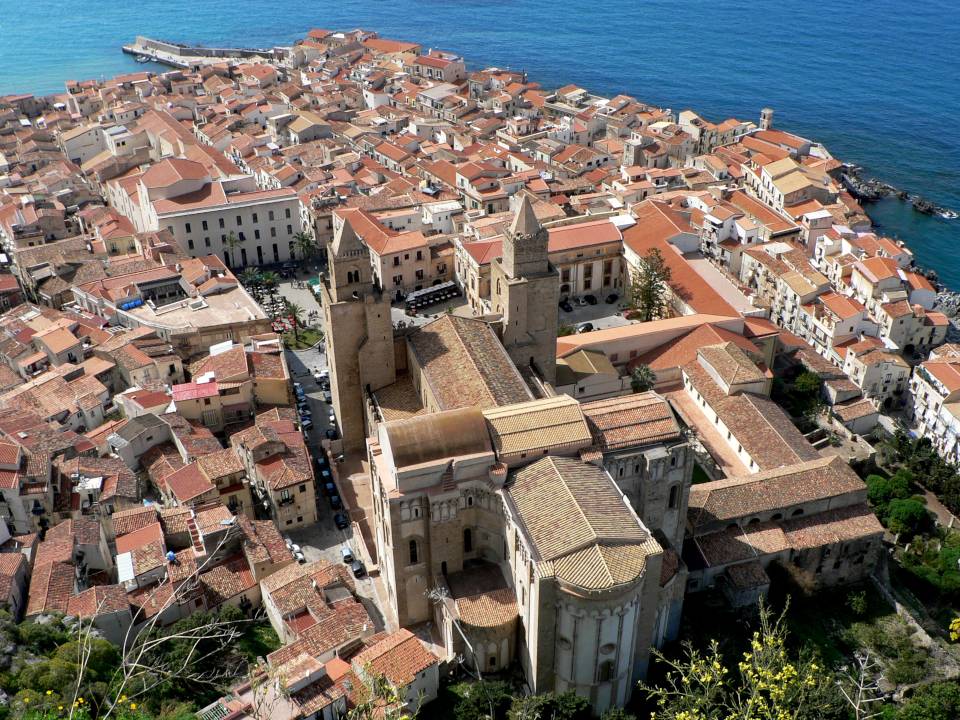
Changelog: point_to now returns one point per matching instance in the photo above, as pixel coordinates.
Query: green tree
(936, 701)
(252, 280)
(296, 313)
(232, 243)
(907, 517)
(270, 280)
(618, 714)
(642, 378)
(305, 245)
(649, 286)
(808, 383)
(881, 491)
(550, 706)
(483, 698)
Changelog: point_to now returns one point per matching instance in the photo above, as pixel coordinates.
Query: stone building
(525, 291)
(503, 528)
(358, 330)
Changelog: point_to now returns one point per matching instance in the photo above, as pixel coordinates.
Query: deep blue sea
(877, 82)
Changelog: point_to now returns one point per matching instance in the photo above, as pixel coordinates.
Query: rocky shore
(867, 189)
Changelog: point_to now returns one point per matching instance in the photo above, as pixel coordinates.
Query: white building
(206, 215)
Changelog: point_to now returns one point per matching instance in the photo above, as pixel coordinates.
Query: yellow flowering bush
(769, 684)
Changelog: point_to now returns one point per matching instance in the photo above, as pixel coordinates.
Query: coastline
(853, 122)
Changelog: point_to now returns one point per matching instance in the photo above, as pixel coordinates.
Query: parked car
(591, 299)
(332, 433)
(584, 327)
(346, 554)
(320, 375)
(300, 557)
(327, 397)
(306, 424)
(579, 301)
(329, 488)
(612, 298)
(332, 417)
(358, 569)
(566, 306)
(340, 520)
(335, 502)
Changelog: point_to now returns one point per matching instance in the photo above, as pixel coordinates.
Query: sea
(875, 81)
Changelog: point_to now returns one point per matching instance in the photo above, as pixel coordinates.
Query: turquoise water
(875, 81)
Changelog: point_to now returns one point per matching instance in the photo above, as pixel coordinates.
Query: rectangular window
(206, 241)
(204, 224)
(255, 217)
(289, 229)
(287, 213)
(190, 244)
(273, 232)
(256, 234)
(239, 221)
(186, 227)
(221, 222)
(270, 215)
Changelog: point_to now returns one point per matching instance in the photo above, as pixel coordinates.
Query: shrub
(907, 517)
(881, 491)
(857, 601)
(936, 701)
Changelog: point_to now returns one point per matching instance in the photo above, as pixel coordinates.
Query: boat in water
(948, 214)
(142, 59)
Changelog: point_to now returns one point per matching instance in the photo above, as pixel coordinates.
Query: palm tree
(295, 312)
(642, 379)
(270, 280)
(306, 246)
(251, 280)
(232, 243)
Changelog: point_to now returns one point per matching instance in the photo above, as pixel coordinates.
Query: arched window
(674, 497)
(414, 553)
(797, 512)
(605, 671)
(467, 541)
(470, 501)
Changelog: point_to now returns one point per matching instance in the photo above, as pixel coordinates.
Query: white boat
(948, 214)
(142, 59)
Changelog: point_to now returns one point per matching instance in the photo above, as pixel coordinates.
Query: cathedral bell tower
(358, 333)
(525, 289)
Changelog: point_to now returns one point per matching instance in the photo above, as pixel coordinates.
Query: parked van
(346, 554)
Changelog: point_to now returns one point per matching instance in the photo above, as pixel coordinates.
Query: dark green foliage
(936, 701)
(476, 702)
(649, 286)
(618, 714)
(642, 378)
(907, 517)
(935, 563)
(919, 458)
(568, 706)
(881, 490)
